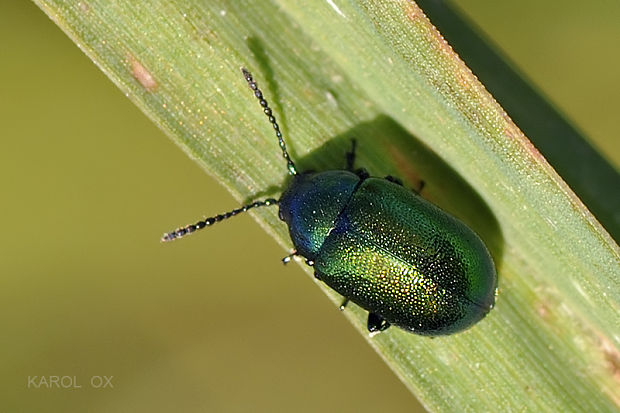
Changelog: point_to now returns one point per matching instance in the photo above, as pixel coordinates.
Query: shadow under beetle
(380, 245)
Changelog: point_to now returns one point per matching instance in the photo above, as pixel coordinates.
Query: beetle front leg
(289, 257)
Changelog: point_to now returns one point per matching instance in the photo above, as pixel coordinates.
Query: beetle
(380, 245)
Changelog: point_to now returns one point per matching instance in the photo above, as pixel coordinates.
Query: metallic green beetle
(381, 246)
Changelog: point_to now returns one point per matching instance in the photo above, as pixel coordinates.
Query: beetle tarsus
(394, 180)
(376, 323)
(421, 185)
(289, 257)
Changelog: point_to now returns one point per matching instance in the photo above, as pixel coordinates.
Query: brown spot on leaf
(612, 358)
(404, 166)
(84, 7)
(412, 11)
(142, 75)
(543, 311)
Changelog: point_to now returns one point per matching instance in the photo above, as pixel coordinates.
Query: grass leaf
(380, 72)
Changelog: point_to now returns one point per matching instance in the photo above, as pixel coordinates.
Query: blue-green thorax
(312, 203)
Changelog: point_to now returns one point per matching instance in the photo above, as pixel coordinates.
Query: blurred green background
(90, 184)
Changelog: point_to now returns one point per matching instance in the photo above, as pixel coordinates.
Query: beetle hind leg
(394, 179)
(397, 181)
(344, 304)
(421, 185)
(376, 323)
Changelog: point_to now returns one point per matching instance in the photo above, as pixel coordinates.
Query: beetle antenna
(272, 119)
(189, 229)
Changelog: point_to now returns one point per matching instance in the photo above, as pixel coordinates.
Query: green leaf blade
(381, 73)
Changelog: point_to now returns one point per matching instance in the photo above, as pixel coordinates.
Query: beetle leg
(397, 181)
(376, 323)
(420, 187)
(344, 304)
(394, 179)
(362, 173)
(289, 257)
(351, 155)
